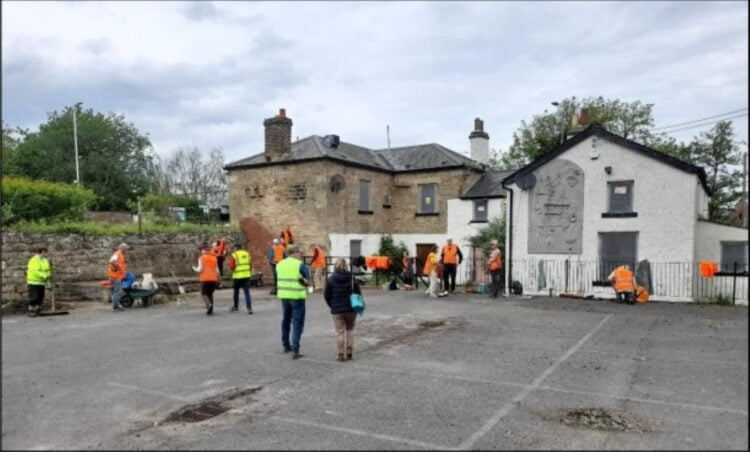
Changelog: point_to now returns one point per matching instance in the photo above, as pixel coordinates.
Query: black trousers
(220, 262)
(36, 295)
(496, 285)
(449, 277)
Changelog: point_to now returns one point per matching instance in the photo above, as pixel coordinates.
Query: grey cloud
(201, 10)
(95, 46)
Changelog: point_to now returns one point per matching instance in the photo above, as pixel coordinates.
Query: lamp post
(75, 142)
(562, 132)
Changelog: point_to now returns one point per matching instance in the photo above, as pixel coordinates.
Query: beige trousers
(434, 285)
(344, 326)
(318, 278)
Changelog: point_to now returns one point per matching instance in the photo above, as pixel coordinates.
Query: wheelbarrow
(142, 297)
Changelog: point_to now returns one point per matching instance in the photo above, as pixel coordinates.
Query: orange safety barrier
(378, 262)
(708, 268)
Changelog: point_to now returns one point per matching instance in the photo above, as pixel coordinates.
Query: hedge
(30, 200)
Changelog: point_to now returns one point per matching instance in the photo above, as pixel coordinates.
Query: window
(615, 249)
(480, 210)
(355, 248)
(732, 252)
(427, 198)
(620, 197)
(364, 196)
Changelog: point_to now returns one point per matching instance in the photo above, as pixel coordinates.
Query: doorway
(423, 250)
(355, 248)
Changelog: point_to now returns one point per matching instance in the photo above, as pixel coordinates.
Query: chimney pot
(583, 119)
(282, 112)
(478, 125)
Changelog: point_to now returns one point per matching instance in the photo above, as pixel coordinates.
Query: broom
(54, 310)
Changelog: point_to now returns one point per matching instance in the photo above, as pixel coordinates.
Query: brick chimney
(278, 137)
(480, 143)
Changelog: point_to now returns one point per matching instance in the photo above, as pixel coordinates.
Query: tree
(632, 120)
(718, 153)
(113, 155)
(11, 139)
(189, 175)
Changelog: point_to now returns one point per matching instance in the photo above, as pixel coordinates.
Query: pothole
(208, 408)
(432, 324)
(603, 419)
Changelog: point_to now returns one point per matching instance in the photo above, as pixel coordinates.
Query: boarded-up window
(297, 192)
(615, 249)
(480, 210)
(731, 253)
(620, 196)
(428, 198)
(364, 195)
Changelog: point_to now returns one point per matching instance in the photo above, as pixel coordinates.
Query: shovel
(179, 286)
(54, 310)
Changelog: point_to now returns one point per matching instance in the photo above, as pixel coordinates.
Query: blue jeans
(244, 284)
(294, 316)
(116, 292)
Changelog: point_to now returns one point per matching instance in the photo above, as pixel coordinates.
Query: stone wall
(77, 257)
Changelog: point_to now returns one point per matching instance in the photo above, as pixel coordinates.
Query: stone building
(345, 196)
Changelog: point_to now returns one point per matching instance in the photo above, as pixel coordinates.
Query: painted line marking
(635, 399)
(350, 431)
(469, 442)
(149, 391)
(419, 373)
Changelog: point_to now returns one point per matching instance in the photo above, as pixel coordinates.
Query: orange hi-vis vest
(450, 254)
(286, 237)
(278, 253)
(220, 247)
(122, 267)
(209, 268)
(623, 280)
(430, 264)
(320, 258)
(496, 262)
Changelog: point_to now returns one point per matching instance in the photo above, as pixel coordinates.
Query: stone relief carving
(556, 209)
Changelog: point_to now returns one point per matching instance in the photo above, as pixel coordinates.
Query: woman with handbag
(338, 293)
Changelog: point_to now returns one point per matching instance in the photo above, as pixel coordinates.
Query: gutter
(509, 231)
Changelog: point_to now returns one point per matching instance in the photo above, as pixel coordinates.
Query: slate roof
(624, 142)
(490, 185)
(403, 159)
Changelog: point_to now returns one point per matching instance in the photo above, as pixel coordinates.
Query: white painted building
(461, 225)
(600, 200)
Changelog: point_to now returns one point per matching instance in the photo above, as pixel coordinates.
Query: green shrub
(395, 253)
(160, 204)
(495, 230)
(30, 200)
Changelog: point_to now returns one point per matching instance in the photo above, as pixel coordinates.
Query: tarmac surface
(461, 372)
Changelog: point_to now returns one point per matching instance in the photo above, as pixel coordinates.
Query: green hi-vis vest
(241, 265)
(38, 270)
(287, 276)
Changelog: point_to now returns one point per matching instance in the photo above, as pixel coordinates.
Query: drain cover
(197, 413)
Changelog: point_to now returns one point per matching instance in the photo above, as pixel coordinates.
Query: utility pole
(388, 135)
(75, 142)
(744, 207)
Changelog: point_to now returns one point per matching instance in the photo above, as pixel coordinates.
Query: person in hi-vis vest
(208, 270)
(291, 278)
(240, 263)
(38, 273)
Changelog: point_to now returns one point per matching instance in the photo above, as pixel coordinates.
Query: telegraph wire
(699, 120)
(703, 124)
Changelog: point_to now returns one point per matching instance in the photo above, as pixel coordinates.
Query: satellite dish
(527, 181)
(337, 183)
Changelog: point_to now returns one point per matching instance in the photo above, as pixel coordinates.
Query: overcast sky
(207, 74)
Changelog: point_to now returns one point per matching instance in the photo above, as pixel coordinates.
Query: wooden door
(423, 250)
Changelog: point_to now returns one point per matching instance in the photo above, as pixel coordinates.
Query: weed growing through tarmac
(603, 419)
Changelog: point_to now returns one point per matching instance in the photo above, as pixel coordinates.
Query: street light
(562, 132)
(75, 142)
